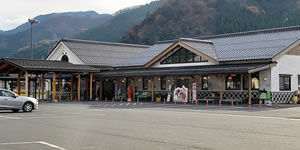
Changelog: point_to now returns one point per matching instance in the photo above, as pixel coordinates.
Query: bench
(237, 101)
(207, 100)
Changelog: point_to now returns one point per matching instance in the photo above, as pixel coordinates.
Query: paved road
(150, 126)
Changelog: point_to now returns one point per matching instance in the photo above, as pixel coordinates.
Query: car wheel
(28, 107)
(15, 110)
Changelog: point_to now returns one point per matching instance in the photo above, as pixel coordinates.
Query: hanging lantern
(106, 79)
(159, 79)
(125, 79)
(230, 78)
(140, 79)
(208, 77)
(182, 78)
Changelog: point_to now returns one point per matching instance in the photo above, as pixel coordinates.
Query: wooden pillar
(35, 87)
(19, 83)
(87, 88)
(26, 83)
(133, 88)
(71, 87)
(101, 90)
(78, 87)
(60, 87)
(53, 86)
(43, 86)
(91, 86)
(152, 89)
(249, 90)
(221, 86)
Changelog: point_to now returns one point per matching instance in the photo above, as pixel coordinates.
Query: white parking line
(7, 117)
(34, 142)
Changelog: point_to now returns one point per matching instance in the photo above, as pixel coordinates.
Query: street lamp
(32, 21)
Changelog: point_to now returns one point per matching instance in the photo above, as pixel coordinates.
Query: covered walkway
(39, 68)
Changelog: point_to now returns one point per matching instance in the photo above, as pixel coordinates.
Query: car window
(7, 94)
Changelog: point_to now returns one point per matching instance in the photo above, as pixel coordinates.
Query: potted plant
(157, 97)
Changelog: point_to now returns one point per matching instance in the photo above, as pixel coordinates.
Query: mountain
(193, 18)
(123, 20)
(51, 27)
(43, 18)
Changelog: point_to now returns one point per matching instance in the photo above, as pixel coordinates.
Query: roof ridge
(196, 40)
(102, 42)
(251, 32)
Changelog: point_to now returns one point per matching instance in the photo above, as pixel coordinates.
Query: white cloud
(16, 12)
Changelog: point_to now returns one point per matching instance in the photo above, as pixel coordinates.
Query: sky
(16, 12)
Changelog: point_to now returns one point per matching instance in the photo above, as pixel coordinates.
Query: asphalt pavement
(150, 126)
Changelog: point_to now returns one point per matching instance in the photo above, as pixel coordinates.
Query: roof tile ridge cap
(196, 40)
(251, 32)
(103, 42)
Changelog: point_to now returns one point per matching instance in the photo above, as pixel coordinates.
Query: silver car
(11, 101)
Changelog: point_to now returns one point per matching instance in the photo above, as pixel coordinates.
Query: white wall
(60, 50)
(286, 64)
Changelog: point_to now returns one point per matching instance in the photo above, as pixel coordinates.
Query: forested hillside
(177, 18)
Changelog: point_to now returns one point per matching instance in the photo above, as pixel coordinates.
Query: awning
(12, 65)
(208, 69)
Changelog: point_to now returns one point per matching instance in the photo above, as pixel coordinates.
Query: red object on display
(129, 92)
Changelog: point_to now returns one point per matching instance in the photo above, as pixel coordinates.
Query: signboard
(181, 94)
(194, 91)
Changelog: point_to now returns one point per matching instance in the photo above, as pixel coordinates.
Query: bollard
(206, 102)
(184, 102)
(259, 105)
(196, 102)
(276, 105)
(232, 104)
(138, 100)
(220, 103)
(105, 99)
(174, 102)
(164, 100)
(113, 99)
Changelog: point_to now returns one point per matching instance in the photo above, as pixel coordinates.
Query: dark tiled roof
(102, 53)
(242, 46)
(145, 56)
(208, 69)
(47, 65)
(253, 45)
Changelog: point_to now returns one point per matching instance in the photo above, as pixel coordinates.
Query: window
(285, 82)
(65, 58)
(298, 82)
(204, 82)
(7, 94)
(145, 83)
(254, 82)
(183, 56)
(163, 83)
(233, 82)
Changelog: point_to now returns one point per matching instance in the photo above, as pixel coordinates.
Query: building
(227, 67)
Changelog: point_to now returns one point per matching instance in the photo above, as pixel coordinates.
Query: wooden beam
(26, 83)
(53, 86)
(3, 66)
(78, 87)
(152, 89)
(11, 69)
(249, 89)
(60, 87)
(19, 83)
(71, 87)
(91, 86)
(43, 86)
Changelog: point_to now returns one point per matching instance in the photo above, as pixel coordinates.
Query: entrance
(185, 82)
(108, 89)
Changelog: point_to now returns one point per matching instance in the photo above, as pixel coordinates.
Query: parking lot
(149, 126)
